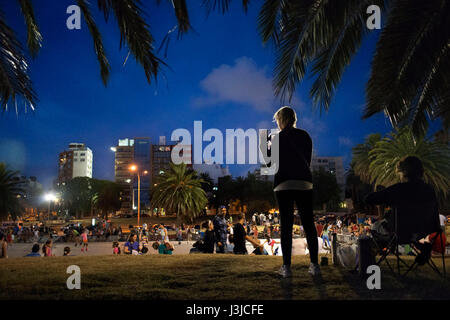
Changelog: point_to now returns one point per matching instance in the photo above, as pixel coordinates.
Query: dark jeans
(221, 249)
(304, 201)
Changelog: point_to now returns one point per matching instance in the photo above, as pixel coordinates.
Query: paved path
(95, 249)
(105, 248)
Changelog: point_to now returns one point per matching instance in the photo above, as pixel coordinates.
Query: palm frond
(97, 38)
(361, 160)
(269, 19)
(348, 29)
(34, 37)
(221, 6)
(182, 14)
(386, 154)
(15, 82)
(105, 6)
(415, 42)
(135, 33)
(10, 189)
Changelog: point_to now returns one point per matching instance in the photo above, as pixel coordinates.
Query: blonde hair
(286, 117)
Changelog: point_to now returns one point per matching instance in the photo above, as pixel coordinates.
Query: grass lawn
(202, 277)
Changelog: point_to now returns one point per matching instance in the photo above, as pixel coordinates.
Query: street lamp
(49, 197)
(135, 168)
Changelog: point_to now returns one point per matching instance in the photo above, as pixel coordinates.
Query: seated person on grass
(240, 236)
(34, 251)
(206, 245)
(132, 245)
(163, 248)
(411, 193)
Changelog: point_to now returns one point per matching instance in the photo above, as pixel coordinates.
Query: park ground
(203, 277)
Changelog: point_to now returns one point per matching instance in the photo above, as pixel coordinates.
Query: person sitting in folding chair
(413, 216)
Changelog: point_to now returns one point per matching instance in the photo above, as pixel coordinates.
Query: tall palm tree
(15, 83)
(375, 161)
(435, 158)
(179, 190)
(10, 189)
(357, 189)
(410, 78)
(361, 161)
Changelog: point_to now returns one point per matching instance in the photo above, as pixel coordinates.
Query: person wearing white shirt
(442, 220)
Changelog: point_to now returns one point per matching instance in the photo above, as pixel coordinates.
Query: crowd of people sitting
(223, 236)
(218, 235)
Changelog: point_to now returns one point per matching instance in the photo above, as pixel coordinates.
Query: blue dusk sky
(220, 74)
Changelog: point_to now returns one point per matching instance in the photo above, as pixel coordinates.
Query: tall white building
(75, 162)
(82, 160)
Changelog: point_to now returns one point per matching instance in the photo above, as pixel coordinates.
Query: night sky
(220, 74)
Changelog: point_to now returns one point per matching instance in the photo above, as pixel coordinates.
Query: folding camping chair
(410, 223)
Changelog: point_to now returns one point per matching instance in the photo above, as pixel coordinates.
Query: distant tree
(226, 191)
(179, 190)
(10, 191)
(208, 182)
(255, 194)
(34, 192)
(360, 159)
(356, 189)
(326, 190)
(259, 206)
(77, 196)
(107, 196)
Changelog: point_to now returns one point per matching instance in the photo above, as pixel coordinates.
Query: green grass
(208, 277)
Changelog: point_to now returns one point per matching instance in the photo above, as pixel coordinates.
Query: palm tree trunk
(178, 217)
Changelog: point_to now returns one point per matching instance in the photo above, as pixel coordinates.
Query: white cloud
(344, 141)
(243, 83)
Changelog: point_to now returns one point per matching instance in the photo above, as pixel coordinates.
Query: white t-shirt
(442, 219)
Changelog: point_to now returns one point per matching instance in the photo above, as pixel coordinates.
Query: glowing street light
(50, 197)
(134, 168)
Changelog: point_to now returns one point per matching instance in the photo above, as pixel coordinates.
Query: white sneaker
(314, 269)
(284, 271)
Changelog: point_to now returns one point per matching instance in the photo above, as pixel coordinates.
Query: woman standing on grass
(293, 185)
